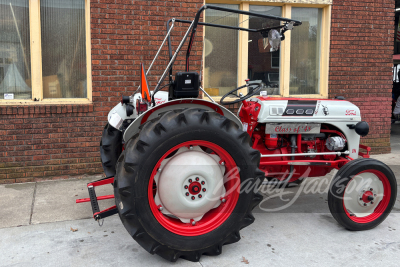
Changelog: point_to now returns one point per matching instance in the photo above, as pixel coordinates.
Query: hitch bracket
(93, 199)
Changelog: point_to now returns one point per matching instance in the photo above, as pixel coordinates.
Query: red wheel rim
(215, 217)
(383, 204)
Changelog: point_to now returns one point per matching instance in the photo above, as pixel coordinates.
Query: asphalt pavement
(40, 225)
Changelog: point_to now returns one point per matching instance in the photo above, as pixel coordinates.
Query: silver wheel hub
(363, 194)
(189, 184)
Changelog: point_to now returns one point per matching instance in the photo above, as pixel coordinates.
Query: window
(263, 65)
(15, 67)
(304, 60)
(43, 51)
(221, 52)
(299, 68)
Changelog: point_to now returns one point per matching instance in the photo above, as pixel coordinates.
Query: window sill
(49, 106)
(218, 98)
(53, 101)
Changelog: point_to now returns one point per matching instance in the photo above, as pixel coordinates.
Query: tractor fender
(178, 104)
(118, 113)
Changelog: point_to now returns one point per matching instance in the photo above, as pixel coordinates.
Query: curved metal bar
(170, 48)
(162, 44)
(196, 22)
(169, 30)
(297, 22)
(204, 91)
(171, 61)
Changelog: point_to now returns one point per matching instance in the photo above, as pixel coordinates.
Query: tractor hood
(306, 110)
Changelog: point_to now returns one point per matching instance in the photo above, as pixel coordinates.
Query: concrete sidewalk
(44, 202)
(36, 221)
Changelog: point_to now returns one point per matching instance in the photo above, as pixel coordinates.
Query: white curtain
(15, 63)
(63, 48)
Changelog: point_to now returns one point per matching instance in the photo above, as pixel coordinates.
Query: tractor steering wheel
(251, 91)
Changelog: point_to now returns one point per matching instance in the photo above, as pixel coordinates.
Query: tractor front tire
(362, 194)
(153, 176)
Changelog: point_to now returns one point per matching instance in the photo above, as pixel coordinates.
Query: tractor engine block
(329, 140)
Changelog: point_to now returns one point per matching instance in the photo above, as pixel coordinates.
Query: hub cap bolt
(186, 187)
(374, 195)
(204, 190)
(371, 189)
(223, 200)
(190, 180)
(200, 196)
(160, 208)
(202, 182)
(372, 202)
(187, 194)
(191, 147)
(197, 178)
(193, 223)
(360, 198)
(223, 163)
(193, 198)
(159, 170)
(365, 204)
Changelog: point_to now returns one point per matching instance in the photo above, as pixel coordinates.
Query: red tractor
(186, 171)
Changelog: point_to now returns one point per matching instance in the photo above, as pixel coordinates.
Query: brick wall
(48, 142)
(44, 142)
(59, 141)
(362, 38)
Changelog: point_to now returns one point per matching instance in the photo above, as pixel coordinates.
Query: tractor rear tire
(163, 138)
(362, 194)
(110, 149)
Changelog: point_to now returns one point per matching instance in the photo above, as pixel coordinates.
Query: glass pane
(15, 63)
(221, 52)
(305, 51)
(63, 48)
(263, 65)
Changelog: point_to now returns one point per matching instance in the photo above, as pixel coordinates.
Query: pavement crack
(33, 203)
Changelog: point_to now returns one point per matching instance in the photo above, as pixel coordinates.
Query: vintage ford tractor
(186, 171)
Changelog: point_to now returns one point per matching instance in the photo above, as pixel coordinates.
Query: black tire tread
(110, 149)
(342, 170)
(336, 209)
(137, 147)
